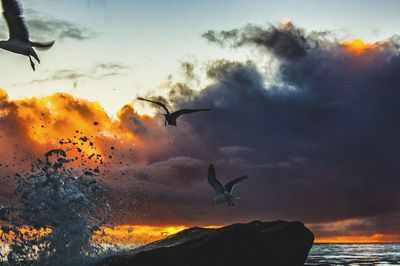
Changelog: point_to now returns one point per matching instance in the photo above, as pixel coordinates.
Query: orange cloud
(358, 46)
(122, 234)
(374, 238)
(346, 232)
(139, 234)
(29, 127)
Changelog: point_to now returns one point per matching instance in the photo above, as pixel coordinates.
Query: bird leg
(32, 63)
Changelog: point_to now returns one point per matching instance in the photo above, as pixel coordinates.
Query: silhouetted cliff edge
(256, 243)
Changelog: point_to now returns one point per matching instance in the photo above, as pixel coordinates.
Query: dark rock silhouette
(257, 243)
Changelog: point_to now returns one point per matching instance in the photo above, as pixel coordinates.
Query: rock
(257, 243)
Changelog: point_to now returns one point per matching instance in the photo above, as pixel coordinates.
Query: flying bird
(170, 118)
(224, 193)
(18, 41)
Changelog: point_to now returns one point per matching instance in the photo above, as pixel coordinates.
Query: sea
(354, 254)
(346, 254)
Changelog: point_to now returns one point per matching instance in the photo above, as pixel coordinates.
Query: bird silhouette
(18, 41)
(170, 118)
(223, 193)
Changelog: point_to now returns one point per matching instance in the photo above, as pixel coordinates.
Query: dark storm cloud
(44, 27)
(320, 147)
(383, 224)
(173, 171)
(285, 41)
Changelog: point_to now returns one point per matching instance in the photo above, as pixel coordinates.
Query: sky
(149, 39)
(308, 113)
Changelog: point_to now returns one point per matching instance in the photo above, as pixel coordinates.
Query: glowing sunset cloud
(286, 23)
(81, 127)
(358, 46)
(140, 234)
(122, 234)
(144, 234)
(375, 238)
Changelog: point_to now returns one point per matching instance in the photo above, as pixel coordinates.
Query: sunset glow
(358, 46)
(144, 234)
(124, 123)
(28, 233)
(123, 234)
(375, 238)
(81, 127)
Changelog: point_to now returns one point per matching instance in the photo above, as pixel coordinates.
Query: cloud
(335, 108)
(319, 146)
(285, 41)
(173, 171)
(98, 71)
(44, 27)
(325, 135)
(234, 150)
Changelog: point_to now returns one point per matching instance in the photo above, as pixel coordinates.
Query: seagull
(170, 118)
(18, 41)
(224, 193)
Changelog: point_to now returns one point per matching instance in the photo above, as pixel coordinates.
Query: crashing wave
(57, 214)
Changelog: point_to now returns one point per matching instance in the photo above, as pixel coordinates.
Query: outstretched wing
(212, 179)
(12, 12)
(187, 111)
(158, 103)
(43, 45)
(229, 186)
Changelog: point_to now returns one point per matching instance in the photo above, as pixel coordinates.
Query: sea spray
(56, 216)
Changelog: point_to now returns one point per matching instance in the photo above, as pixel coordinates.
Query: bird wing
(213, 181)
(187, 111)
(12, 12)
(158, 103)
(229, 186)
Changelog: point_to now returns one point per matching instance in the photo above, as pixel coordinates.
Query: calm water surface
(355, 254)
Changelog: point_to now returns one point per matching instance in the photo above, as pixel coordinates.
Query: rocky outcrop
(257, 243)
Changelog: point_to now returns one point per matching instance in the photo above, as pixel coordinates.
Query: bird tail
(42, 45)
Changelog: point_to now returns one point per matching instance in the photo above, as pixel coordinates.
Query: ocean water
(341, 254)
(355, 254)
